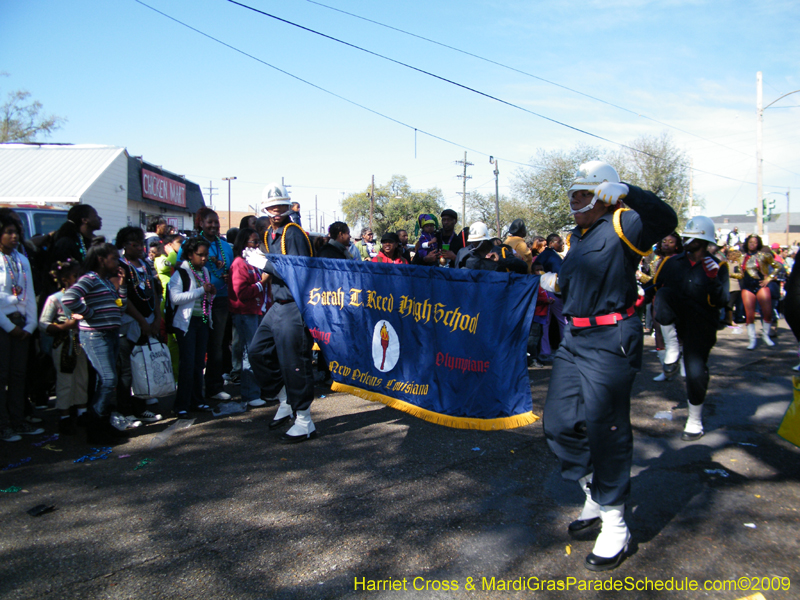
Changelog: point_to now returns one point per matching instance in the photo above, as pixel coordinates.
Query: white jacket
(184, 301)
(9, 303)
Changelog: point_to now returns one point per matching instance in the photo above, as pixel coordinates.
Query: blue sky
(125, 75)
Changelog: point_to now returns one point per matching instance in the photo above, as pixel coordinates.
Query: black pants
(280, 354)
(698, 332)
(587, 419)
(534, 341)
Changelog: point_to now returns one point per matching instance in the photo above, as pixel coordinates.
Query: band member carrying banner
(280, 353)
(587, 411)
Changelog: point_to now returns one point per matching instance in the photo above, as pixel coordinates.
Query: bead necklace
(138, 283)
(15, 268)
(211, 266)
(82, 246)
(201, 280)
(110, 288)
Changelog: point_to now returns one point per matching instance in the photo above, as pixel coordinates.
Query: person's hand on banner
(711, 267)
(549, 282)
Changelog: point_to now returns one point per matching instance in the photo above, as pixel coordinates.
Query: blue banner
(445, 345)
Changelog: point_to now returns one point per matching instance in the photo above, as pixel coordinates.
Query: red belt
(610, 319)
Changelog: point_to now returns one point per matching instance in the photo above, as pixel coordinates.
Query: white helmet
(275, 195)
(478, 232)
(699, 228)
(592, 174)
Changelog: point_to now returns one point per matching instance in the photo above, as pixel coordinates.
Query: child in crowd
(427, 239)
(141, 321)
(17, 323)
(154, 249)
(72, 368)
(97, 301)
(192, 294)
(248, 295)
(165, 267)
(543, 302)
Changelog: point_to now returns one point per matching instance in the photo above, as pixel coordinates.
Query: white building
(124, 189)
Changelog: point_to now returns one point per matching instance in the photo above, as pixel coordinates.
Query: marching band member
(692, 288)
(587, 412)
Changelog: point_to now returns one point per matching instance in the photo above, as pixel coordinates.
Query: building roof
(37, 173)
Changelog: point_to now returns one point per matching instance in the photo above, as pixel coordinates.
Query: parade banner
(445, 345)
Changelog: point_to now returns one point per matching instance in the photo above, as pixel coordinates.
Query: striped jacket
(96, 299)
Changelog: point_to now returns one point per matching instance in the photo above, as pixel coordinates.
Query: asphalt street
(383, 505)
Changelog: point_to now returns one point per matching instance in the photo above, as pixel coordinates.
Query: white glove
(549, 282)
(611, 193)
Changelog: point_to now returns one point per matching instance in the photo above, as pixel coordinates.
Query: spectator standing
(339, 242)
(98, 300)
(72, 367)
(543, 302)
(192, 293)
(402, 235)
(366, 247)
(74, 237)
(220, 258)
(141, 321)
(448, 241)
(295, 215)
(18, 320)
(516, 241)
(390, 250)
(551, 260)
(247, 292)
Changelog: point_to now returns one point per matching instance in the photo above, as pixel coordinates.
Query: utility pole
(316, 215)
(464, 193)
(493, 161)
(787, 216)
(211, 191)
(229, 179)
(759, 158)
(372, 204)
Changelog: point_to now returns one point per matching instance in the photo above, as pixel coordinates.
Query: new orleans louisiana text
(422, 311)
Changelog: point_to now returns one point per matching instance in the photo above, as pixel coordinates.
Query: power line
(440, 78)
(401, 123)
(473, 90)
(322, 89)
(531, 75)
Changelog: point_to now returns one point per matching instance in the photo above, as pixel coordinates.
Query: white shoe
(591, 509)
(609, 549)
(302, 430)
(751, 335)
(258, 402)
(796, 368)
(694, 424)
(221, 396)
(660, 377)
(284, 412)
(766, 328)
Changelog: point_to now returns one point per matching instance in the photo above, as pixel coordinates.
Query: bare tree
(22, 120)
(543, 188)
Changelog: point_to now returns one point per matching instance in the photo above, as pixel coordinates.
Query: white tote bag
(151, 366)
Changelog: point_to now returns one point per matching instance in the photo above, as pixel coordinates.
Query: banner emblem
(385, 346)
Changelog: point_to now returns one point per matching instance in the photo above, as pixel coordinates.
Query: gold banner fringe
(438, 418)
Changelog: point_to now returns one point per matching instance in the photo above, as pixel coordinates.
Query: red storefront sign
(159, 188)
